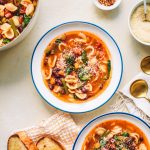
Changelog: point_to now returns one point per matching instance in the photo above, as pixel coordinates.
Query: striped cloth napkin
(127, 103)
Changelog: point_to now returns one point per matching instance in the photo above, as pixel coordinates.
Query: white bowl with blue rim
(116, 59)
(141, 124)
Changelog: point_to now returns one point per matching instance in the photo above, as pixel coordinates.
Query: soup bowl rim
(66, 23)
(107, 114)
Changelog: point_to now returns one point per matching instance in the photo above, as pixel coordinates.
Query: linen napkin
(136, 106)
(60, 127)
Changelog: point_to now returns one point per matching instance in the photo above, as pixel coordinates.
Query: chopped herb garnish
(64, 86)
(5, 41)
(83, 74)
(84, 57)
(58, 41)
(109, 67)
(26, 20)
(116, 138)
(102, 143)
(69, 70)
(70, 60)
(125, 134)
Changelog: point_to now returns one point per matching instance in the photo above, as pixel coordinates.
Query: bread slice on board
(14, 143)
(47, 143)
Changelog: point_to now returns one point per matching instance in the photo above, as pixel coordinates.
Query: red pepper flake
(107, 2)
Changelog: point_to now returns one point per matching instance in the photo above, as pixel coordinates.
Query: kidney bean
(51, 87)
(2, 2)
(84, 90)
(59, 82)
(20, 29)
(63, 92)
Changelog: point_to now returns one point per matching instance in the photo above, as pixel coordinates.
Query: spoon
(145, 65)
(145, 9)
(139, 89)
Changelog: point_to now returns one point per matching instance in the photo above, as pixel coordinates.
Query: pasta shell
(72, 86)
(71, 79)
(29, 9)
(9, 34)
(81, 95)
(136, 136)
(62, 46)
(83, 36)
(2, 7)
(100, 131)
(103, 68)
(16, 21)
(11, 7)
(1, 43)
(52, 61)
(117, 129)
(57, 89)
(71, 91)
(90, 50)
(26, 2)
(47, 75)
(88, 87)
(142, 147)
(5, 27)
(109, 136)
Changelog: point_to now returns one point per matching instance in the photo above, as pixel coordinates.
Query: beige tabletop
(20, 104)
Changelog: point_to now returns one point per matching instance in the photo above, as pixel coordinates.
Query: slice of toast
(47, 143)
(14, 143)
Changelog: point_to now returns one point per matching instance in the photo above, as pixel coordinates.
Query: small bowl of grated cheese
(107, 4)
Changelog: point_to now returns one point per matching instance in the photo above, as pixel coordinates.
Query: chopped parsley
(84, 57)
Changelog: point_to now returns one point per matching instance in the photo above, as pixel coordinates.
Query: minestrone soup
(76, 66)
(116, 135)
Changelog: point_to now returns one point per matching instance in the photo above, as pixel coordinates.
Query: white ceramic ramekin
(106, 8)
(25, 32)
(129, 23)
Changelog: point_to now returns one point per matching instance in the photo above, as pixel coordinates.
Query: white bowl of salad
(17, 18)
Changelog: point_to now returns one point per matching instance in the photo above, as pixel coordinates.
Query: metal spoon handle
(145, 7)
(147, 99)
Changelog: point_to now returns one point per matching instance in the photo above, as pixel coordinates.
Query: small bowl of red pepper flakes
(107, 4)
(17, 18)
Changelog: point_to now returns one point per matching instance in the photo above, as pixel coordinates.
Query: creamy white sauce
(140, 27)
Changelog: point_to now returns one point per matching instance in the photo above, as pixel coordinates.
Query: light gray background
(20, 104)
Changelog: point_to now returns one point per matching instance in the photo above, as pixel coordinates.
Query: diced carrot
(52, 81)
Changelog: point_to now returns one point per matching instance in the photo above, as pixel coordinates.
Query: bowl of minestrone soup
(76, 67)
(17, 19)
(114, 131)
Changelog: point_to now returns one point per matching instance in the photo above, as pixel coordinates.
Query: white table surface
(20, 104)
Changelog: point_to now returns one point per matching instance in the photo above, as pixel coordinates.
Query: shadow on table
(108, 14)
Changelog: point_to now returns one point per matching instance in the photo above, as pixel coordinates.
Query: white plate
(117, 67)
(118, 115)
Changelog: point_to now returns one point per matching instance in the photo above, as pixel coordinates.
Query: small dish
(129, 23)
(25, 32)
(100, 100)
(107, 8)
(120, 116)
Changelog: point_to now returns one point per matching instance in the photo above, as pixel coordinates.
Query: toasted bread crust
(27, 141)
(47, 143)
(14, 143)
(21, 141)
(23, 137)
